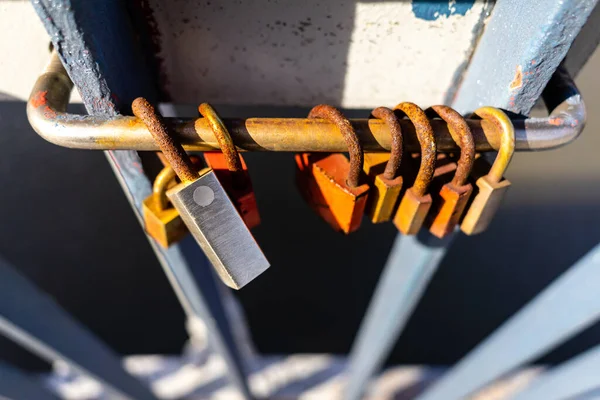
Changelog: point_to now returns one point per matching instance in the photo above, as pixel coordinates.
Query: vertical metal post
(97, 46)
(35, 321)
(16, 384)
(567, 306)
(408, 270)
(569, 380)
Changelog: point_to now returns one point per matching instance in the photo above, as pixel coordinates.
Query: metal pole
(408, 270)
(16, 384)
(32, 319)
(567, 306)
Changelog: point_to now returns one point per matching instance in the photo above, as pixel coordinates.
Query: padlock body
(412, 212)
(485, 204)
(449, 207)
(322, 180)
(164, 225)
(218, 228)
(239, 189)
(385, 193)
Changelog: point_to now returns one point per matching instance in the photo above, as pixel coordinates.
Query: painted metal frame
(97, 47)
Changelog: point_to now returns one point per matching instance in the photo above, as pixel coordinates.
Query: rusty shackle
(426, 139)
(461, 134)
(332, 114)
(391, 120)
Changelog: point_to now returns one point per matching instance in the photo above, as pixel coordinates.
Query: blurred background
(65, 224)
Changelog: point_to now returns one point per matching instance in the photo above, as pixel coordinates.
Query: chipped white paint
(301, 53)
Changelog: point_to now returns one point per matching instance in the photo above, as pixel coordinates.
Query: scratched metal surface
(348, 53)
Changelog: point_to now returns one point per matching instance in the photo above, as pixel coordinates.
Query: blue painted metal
(567, 306)
(32, 319)
(432, 10)
(521, 47)
(97, 46)
(571, 379)
(408, 270)
(17, 384)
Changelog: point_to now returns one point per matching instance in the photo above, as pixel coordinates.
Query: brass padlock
(206, 209)
(416, 201)
(330, 184)
(491, 188)
(449, 201)
(382, 170)
(161, 220)
(230, 168)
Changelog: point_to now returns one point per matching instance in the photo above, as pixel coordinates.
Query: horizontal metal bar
(50, 96)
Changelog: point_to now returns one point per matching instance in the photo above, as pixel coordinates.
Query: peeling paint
(518, 80)
(429, 10)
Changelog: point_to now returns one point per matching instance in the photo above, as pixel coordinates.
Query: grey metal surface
(32, 319)
(95, 43)
(566, 307)
(522, 45)
(16, 384)
(409, 268)
(570, 379)
(219, 229)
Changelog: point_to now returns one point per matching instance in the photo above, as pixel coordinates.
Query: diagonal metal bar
(17, 384)
(567, 306)
(569, 380)
(32, 319)
(408, 270)
(96, 44)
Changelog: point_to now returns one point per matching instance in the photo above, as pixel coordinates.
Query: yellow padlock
(492, 187)
(382, 170)
(161, 220)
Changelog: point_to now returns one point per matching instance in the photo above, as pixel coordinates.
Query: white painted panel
(354, 54)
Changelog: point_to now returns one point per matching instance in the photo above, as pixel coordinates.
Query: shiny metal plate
(219, 230)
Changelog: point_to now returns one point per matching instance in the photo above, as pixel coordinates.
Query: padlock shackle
(461, 134)
(171, 148)
(355, 150)
(159, 188)
(232, 157)
(501, 121)
(391, 120)
(424, 131)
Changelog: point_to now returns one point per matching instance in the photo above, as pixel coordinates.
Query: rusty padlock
(162, 220)
(449, 201)
(491, 187)
(329, 183)
(230, 168)
(386, 183)
(416, 201)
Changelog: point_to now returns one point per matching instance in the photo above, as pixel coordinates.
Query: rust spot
(49, 113)
(555, 121)
(39, 99)
(518, 80)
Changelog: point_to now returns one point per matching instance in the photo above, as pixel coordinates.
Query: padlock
(416, 201)
(450, 199)
(230, 168)
(206, 209)
(161, 220)
(382, 170)
(329, 183)
(491, 188)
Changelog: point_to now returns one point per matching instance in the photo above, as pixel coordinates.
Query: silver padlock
(206, 209)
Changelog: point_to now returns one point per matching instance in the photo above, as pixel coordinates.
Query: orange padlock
(416, 201)
(329, 182)
(449, 201)
(230, 168)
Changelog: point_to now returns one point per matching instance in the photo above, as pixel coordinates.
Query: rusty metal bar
(50, 96)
